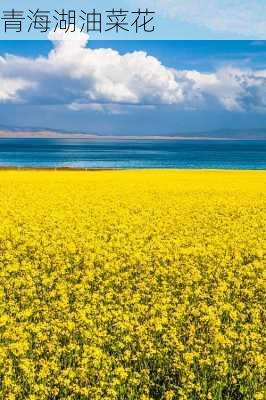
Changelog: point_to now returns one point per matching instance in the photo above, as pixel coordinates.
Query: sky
(132, 87)
(174, 19)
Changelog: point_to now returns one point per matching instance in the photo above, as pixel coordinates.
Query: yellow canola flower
(132, 285)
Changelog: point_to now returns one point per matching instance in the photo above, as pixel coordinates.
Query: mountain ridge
(218, 134)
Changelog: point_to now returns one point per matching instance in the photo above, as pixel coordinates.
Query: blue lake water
(78, 153)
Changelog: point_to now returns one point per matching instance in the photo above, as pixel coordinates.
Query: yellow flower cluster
(133, 285)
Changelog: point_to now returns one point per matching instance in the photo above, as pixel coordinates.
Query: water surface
(79, 153)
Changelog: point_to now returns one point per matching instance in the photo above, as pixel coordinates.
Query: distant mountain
(230, 134)
(41, 133)
(233, 134)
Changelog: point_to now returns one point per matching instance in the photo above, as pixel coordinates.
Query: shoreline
(98, 169)
(14, 168)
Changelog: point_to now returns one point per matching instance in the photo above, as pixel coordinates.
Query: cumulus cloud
(10, 88)
(105, 81)
(74, 73)
(233, 88)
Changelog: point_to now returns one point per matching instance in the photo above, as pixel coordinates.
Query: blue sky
(133, 87)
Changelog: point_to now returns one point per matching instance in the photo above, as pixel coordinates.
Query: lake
(80, 153)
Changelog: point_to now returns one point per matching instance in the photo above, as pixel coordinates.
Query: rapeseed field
(133, 285)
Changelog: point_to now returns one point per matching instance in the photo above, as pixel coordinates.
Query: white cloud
(103, 75)
(10, 88)
(103, 80)
(227, 85)
(74, 73)
(244, 17)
